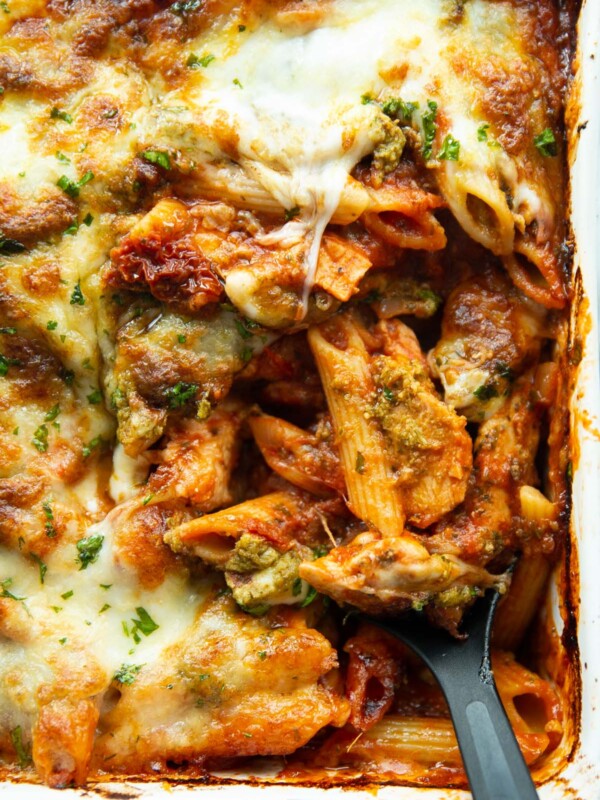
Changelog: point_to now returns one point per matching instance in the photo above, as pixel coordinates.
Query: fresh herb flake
(53, 413)
(126, 673)
(450, 149)
(16, 737)
(77, 298)
(145, 624)
(429, 128)
(42, 567)
(158, 157)
(56, 113)
(546, 143)
(310, 597)
(290, 213)
(482, 132)
(395, 108)
(181, 393)
(40, 439)
(88, 549)
(95, 397)
(195, 61)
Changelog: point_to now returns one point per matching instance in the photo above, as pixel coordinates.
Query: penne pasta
(347, 384)
(521, 603)
(227, 182)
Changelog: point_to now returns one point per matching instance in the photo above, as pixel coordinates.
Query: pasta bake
(284, 299)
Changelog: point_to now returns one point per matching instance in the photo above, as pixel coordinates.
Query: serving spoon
(491, 755)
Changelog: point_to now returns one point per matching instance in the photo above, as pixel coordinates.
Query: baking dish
(577, 779)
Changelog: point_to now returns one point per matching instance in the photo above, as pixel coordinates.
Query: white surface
(580, 780)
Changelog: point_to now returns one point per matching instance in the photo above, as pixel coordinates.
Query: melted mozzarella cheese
(91, 610)
(289, 107)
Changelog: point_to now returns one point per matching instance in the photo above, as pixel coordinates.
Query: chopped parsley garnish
(62, 157)
(398, 109)
(126, 673)
(429, 128)
(183, 7)
(290, 213)
(145, 624)
(5, 7)
(91, 445)
(105, 586)
(237, 82)
(450, 149)
(67, 375)
(53, 413)
(255, 611)
(5, 363)
(16, 735)
(388, 394)
(297, 587)
(505, 371)
(485, 392)
(40, 439)
(66, 595)
(195, 61)
(8, 331)
(51, 531)
(52, 325)
(95, 397)
(63, 640)
(482, 132)
(71, 187)
(262, 654)
(241, 28)
(147, 499)
(104, 608)
(10, 247)
(72, 229)
(88, 549)
(77, 298)
(179, 394)
(360, 463)
(42, 567)
(88, 219)
(546, 143)
(181, 338)
(158, 157)
(366, 99)
(111, 113)
(312, 594)
(56, 113)
(5, 586)
(242, 329)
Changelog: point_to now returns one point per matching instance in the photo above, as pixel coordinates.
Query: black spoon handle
(493, 761)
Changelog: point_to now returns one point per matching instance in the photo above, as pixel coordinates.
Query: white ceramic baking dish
(579, 778)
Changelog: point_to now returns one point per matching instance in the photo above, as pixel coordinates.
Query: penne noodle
(522, 601)
(213, 536)
(479, 205)
(402, 216)
(347, 382)
(230, 184)
(535, 270)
